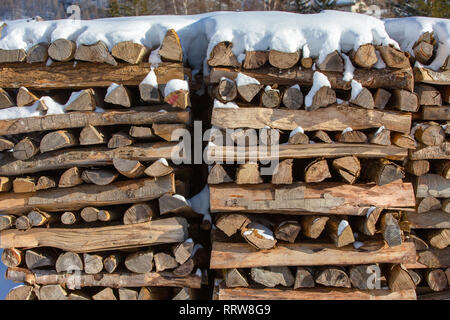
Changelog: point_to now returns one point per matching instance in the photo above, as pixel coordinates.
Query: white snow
(296, 130)
(49, 62)
(163, 161)
(197, 247)
(296, 86)
(111, 88)
(31, 111)
(380, 63)
(200, 203)
(305, 51)
(229, 105)
(269, 88)
(74, 96)
(349, 68)
(179, 197)
(380, 129)
(358, 244)
(406, 31)
(356, 89)
(260, 229)
(369, 211)
(319, 80)
(348, 129)
(198, 273)
(342, 225)
(241, 58)
(155, 58)
(189, 240)
(151, 79)
(242, 80)
(175, 85)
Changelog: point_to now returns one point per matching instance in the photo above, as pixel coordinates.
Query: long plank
(435, 219)
(254, 293)
(301, 198)
(113, 280)
(127, 191)
(426, 75)
(85, 157)
(226, 255)
(134, 116)
(64, 75)
(303, 151)
(170, 230)
(441, 152)
(374, 78)
(334, 118)
(436, 113)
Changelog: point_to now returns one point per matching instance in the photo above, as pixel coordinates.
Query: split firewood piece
(91, 135)
(101, 177)
(321, 136)
(340, 231)
(273, 276)
(317, 171)
(183, 251)
(108, 215)
(159, 168)
(57, 140)
(176, 204)
(381, 137)
(52, 292)
(293, 97)
(398, 278)
(128, 294)
(247, 87)
(69, 218)
(45, 183)
(364, 99)
(93, 263)
(139, 213)
(130, 52)
(70, 178)
(404, 100)
(283, 60)
(351, 136)
(97, 52)
(381, 98)
(362, 277)
(393, 58)
(148, 88)
(298, 136)
(332, 62)
(312, 226)
(439, 238)
(140, 262)
(23, 223)
(244, 137)
(390, 230)
(8, 56)
(270, 98)
(40, 258)
(255, 59)
(7, 222)
(349, 168)
(184, 294)
(177, 96)
(303, 278)
(22, 293)
(89, 214)
(248, 173)
(69, 262)
(119, 95)
(431, 134)
(5, 184)
(226, 90)
(12, 257)
(25, 149)
(417, 167)
(4, 143)
(120, 139)
(446, 205)
(164, 261)
(129, 168)
(154, 293)
(231, 223)
(235, 278)
(436, 279)
(403, 140)
(25, 97)
(432, 184)
(83, 100)
(171, 48)
(39, 218)
(365, 56)
(367, 224)
(418, 243)
(185, 269)
(105, 294)
(141, 132)
(222, 56)
(78, 295)
(382, 171)
(423, 48)
(259, 236)
(333, 277)
(166, 130)
(38, 53)
(111, 262)
(218, 175)
(428, 95)
(283, 172)
(427, 204)
(287, 231)
(324, 97)
(417, 278)
(443, 169)
(24, 185)
(62, 50)
(5, 100)
(306, 62)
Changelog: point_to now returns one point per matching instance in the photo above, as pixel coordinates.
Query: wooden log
(231, 223)
(417, 278)
(57, 140)
(159, 168)
(255, 59)
(154, 293)
(218, 175)
(8, 56)
(364, 99)
(393, 58)
(139, 213)
(141, 132)
(431, 152)
(434, 258)
(439, 238)
(423, 51)
(287, 231)
(226, 90)
(62, 50)
(93, 264)
(340, 232)
(382, 137)
(428, 95)
(248, 173)
(399, 279)
(273, 276)
(99, 177)
(166, 131)
(333, 277)
(419, 244)
(390, 229)
(21, 293)
(324, 97)
(24, 185)
(83, 100)
(25, 149)
(88, 195)
(333, 62)
(70, 178)
(303, 279)
(129, 168)
(283, 60)
(164, 261)
(178, 98)
(23, 223)
(365, 56)
(270, 98)
(175, 204)
(5, 99)
(293, 98)
(434, 219)
(351, 136)
(436, 279)
(128, 294)
(446, 205)
(105, 294)
(235, 278)
(430, 135)
(283, 173)
(330, 119)
(183, 251)
(12, 257)
(367, 224)
(97, 52)
(417, 167)
(312, 226)
(6, 144)
(69, 218)
(69, 262)
(403, 140)
(91, 135)
(362, 277)
(349, 168)
(432, 185)
(428, 204)
(52, 292)
(185, 269)
(119, 95)
(111, 262)
(404, 100)
(108, 215)
(39, 218)
(39, 258)
(242, 255)
(130, 52)
(140, 262)
(381, 98)
(5, 184)
(249, 91)
(382, 171)
(317, 171)
(38, 53)
(25, 97)
(222, 55)
(259, 236)
(299, 198)
(89, 214)
(298, 138)
(171, 48)
(7, 222)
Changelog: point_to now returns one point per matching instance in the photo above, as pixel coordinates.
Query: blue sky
(5, 285)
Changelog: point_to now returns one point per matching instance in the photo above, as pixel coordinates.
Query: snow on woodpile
(406, 31)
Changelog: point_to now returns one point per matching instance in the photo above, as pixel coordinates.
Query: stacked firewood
(92, 206)
(327, 221)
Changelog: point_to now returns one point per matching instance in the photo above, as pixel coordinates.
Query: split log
(317, 171)
(432, 185)
(226, 90)
(21, 293)
(270, 98)
(434, 219)
(93, 264)
(45, 183)
(91, 135)
(57, 140)
(298, 138)
(431, 152)
(70, 178)
(446, 205)
(25, 97)
(62, 50)
(381, 98)
(89, 214)
(283, 172)
(38, 53)
(259, 236)
(391, 231)
(255, 59)
(418, 243)
(175, 204)
(139, 213)
(287, 231)
(166, 131)
(23, 223)
(312, 226)
(164, 261)
(222, 55)
(149, 91)
(159, 168)
(8, 56)
(439, 238)
(99, 177)
(69, 218)
(349, 168)
(381, 137)
(273, 276)
(52, 292)
(7, 222)
(119, 95)
(248, 91)
(108, 215)
(428, 203)
(24, 185)
(340, 232)
(12, 257)
(382, 171)
(154, 293)
(283, 60)
(183, 294)
(303, 279)
(436, 279)
(434, 258)
(235, 278)
(105, 294)
(399, 279)
(185, 269)
(293, 98)
(127, 294)
(428, 95)
(130, 52)
(333, 62)
(431, 135)
(333, 277)
(248, 173)
(6, 144)
(362, 277)
(393, 58)
(231, 223)
(423, 51)
(5, 100)
(324, 97)
(40, 218)
(82, 101)
(183, 251)
(97, 52)
(5, 184)
(39, 258)
(69, 262)
(171, 48)
(218, 175)
(25, 149)
(417, 278)
(365, 56)
(364, 99)
(129, 168)
(111, 262)
(404, 100)
(141, 132)
(403, 141)
(352, 136)
(367, 223)
(140, 262)
(417, 167)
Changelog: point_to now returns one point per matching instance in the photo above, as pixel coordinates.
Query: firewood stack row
(330, 219)
(92, 205)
